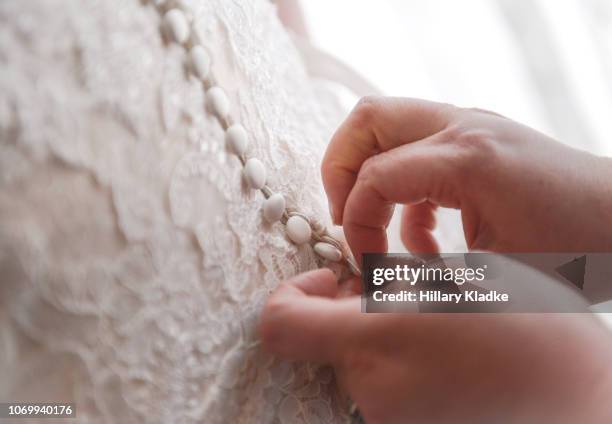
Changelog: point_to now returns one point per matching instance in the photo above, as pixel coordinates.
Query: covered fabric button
(217, 101)
(236, 139)
(255, 173)
(298, 230)
(200, 61)
(327, 251)
(274, 207)
(177, 24)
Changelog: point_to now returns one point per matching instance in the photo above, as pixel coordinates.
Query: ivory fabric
(134, 259)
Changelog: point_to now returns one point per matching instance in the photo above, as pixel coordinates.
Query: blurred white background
(547, 63)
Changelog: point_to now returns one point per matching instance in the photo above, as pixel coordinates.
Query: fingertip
(287, 298)
(417, 226)
(299, 327)
(365, 225)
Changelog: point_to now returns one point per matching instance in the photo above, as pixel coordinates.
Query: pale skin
(518, 191)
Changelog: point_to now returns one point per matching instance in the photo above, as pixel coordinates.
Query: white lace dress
(133, 259)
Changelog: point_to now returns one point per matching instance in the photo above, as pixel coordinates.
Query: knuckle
(271, 319)
(477, 110)
(370, 171)
(373, 166)
(449, 109)
(330, 168)
(266, 332)
(277, 303)
(365, 110)
(474, 146)
(326, 170)
(269, 334)
(369, 101)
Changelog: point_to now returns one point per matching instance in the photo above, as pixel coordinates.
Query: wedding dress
(134, 260)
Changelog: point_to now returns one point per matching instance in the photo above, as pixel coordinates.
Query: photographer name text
(437, 296)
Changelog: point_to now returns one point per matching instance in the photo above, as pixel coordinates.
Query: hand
(402, 368)
(518, 190)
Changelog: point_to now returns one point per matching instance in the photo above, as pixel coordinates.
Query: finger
(302, 325)
(410, 174)
(375, 125)
(418, 223)
(320, 282)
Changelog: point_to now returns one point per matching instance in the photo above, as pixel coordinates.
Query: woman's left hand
(402, 368)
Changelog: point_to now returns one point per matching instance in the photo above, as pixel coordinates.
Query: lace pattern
(135, 261)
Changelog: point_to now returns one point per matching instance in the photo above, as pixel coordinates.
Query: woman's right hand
(518, 190)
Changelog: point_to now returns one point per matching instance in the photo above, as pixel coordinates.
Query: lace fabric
(134, 259)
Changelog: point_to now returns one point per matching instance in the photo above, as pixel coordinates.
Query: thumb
(303, 320)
